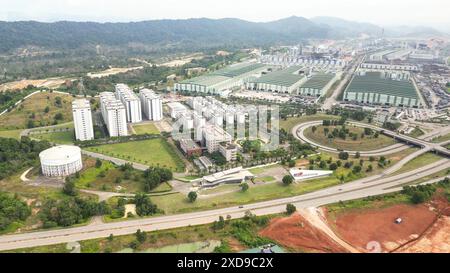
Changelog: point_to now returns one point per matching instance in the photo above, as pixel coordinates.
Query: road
(352, 190)
(330, 101)
(298, 132)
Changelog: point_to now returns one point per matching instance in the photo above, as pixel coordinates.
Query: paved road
(330, 101)
(298, 132)
(352, 190)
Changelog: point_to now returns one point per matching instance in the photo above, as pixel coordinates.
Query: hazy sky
(382, 12)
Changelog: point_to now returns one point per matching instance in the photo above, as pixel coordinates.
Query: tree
(69, 187)
(287, 180)
(314, 128)
(326, 130)
(144, 206)
(290, 208)
(343, 155)
(356, 169)
(244, 187)
(192, 196)
(291, 163)
(333, 166)
(357, 155)
(47, 109)
(369, 168)
(98, 163)
(141, 236)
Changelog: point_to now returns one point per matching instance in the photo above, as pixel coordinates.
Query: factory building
(317, 85)
(379, 66)
(114, 114)
(151, 104)
(380, 55)
(82, 120)
(222, 79)
(378, 88)
(61, 160)
(131, 102)
(280, 81)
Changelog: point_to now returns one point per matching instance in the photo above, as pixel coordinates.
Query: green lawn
(105, 177)
(67, 137)
(367, 143)
(10, 134)
(289, 123)
(416, 133)
(260, 170)
(441, 138)
(149, 152)
(419, 161)
(148, 128)
(178, 203)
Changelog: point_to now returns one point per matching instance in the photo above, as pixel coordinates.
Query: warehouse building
(82, 120)
(377, 88)
(280, 81)
(131, 102)
(317, 85)
(222, 79)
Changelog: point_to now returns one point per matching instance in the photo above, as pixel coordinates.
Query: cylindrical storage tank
(61, 160)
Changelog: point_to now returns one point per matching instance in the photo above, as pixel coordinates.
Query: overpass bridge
(433, 147)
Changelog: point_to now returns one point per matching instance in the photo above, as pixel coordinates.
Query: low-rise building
(228, 150)
(190, 148)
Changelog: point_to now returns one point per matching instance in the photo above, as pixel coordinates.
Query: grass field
(67, 137)
(419, 161)
(178, 203)
(289, 123)
(148, 128)
(105, 177)
(19, 116)
(11, 134)
(360, 144)
(441, 138)
(416, 133)
(149, 152)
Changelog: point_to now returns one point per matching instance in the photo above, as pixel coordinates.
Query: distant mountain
(346, 28)
(413, 31)
(189, 33)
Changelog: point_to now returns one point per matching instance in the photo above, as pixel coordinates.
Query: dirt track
(296, 233)
(425, 228)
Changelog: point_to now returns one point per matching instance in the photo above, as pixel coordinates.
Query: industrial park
(315, 144)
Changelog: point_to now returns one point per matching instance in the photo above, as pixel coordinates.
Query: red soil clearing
(296, 233)
(378, 225)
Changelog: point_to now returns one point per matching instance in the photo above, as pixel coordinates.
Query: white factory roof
(60, 155)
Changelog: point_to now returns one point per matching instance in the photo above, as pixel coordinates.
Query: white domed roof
(60, 155)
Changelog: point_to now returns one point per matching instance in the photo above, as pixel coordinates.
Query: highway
(374, 185)
(352, 190)
(298, 132)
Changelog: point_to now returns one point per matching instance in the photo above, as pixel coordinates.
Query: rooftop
(284, 77)
(373, 82)
(318, 81)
